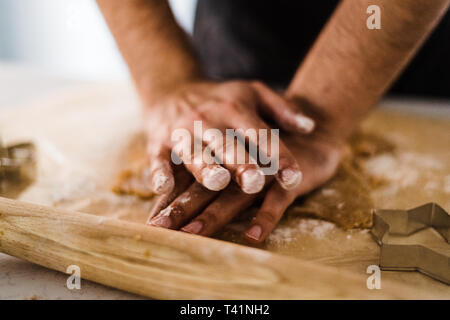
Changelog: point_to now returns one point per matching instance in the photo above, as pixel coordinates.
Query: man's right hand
(220, 106)
(175, 93)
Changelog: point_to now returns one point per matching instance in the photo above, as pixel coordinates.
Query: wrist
(153, 90)
(331, 121)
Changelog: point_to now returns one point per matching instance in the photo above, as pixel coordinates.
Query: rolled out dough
(344, 200)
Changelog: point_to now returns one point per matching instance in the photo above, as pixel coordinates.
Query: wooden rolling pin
(167, 264)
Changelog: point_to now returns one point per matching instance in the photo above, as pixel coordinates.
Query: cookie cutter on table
(413, 257)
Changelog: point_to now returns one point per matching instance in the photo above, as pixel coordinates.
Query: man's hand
(194, 209)
(175, 94)
(220, 106)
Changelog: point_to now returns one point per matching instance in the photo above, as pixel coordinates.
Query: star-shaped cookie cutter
(414, 257)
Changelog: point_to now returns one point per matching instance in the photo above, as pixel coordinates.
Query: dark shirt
(267, 40)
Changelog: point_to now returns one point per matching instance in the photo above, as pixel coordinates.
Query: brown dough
(135, 177)
(344, 200)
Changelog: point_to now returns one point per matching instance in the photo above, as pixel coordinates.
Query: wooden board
(80, 132)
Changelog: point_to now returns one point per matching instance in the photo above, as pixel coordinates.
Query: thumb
(281, 110)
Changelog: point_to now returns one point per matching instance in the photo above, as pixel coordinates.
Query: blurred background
(49, 44)
(67, 38)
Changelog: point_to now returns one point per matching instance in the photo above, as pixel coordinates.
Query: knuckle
(197, 114)
(236, 83)
(240, 87)
(231, 104)
(177, 212)
(258, 83)
(268, 217)
(210, 218)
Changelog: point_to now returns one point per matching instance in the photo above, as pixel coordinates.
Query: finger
(233, 156)
(202, 165)
(161, 173)
(184, 207)
(220, 212)
(183, 179)
(275, 204)
(249, 177)
(283, 112)
(286, 168)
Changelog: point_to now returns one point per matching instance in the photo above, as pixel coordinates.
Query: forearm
(155, 48)
(350, 67)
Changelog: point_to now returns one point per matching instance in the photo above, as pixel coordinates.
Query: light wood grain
(167, 264)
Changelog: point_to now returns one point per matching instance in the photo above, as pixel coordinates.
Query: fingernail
(216, 178)
(161, 183)
(305, 123)
(254, 232)
(289, 178)
(193, 227)
(161, 221)
(252, 181)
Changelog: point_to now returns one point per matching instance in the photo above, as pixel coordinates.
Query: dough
(134, 179)
(344, 200)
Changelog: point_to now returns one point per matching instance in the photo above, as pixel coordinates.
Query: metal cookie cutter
(401, 257)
